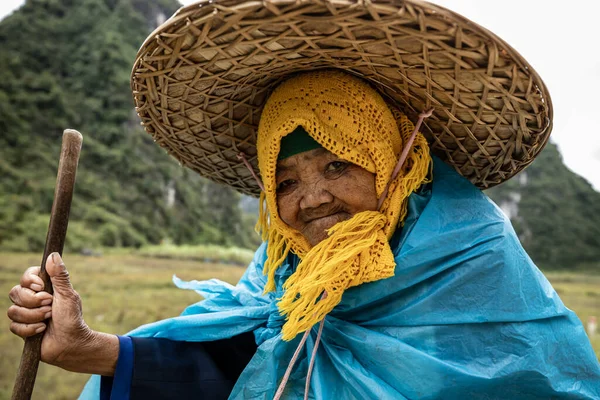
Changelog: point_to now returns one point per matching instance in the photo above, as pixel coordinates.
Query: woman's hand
(68, 342)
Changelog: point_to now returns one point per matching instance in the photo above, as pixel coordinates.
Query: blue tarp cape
(466, 316)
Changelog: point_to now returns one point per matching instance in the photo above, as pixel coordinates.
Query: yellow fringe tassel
(278, 247)
(262, 225)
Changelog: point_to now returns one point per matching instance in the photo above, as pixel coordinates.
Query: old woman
(384, 273)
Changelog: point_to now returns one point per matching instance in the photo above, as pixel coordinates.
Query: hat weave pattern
(201, 79)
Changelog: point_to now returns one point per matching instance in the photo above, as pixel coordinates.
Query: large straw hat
(201, 79)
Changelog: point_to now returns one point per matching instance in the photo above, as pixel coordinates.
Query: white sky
(560, 40)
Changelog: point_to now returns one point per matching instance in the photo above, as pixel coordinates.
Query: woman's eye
(336, 166)
(285, 185)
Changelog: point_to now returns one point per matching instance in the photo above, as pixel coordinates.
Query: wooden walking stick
(55, 241)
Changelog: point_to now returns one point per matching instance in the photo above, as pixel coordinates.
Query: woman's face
(317, 189)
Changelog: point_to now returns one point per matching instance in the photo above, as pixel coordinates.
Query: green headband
(296, 142)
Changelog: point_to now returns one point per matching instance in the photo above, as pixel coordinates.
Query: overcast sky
(559, 39)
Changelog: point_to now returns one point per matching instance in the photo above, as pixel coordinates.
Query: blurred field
(121, 292)
(204, 253)
(581, 293)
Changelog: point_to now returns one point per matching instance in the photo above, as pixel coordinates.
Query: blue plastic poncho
(466, 316)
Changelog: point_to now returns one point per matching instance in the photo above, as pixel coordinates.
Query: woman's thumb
(58, 274)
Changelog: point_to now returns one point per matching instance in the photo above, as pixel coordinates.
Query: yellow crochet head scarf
(350, 119)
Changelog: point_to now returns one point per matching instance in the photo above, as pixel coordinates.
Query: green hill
(66, 63)
(555, 212)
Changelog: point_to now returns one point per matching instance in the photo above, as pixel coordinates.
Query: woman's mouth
(316, 228)
(331, 218)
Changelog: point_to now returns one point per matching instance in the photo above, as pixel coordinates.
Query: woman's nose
(314, 196)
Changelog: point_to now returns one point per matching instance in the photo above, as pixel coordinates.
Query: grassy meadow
(123, 291)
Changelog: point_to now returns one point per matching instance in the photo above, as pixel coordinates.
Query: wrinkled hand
(68, 342)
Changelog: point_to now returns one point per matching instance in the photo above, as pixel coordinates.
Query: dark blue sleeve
(167, 369)
(118, 387)
(155, 368)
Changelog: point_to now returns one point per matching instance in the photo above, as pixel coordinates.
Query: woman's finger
(25, 297)
(31, 279)
(26, 330)
(29, 315)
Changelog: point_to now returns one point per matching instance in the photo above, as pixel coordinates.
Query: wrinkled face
(317, 189)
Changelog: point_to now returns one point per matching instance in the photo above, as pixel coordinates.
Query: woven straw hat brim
(201, 79)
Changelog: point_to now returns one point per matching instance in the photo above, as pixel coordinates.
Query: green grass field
(121, 292)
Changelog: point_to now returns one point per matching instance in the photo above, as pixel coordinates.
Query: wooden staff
(55, 241)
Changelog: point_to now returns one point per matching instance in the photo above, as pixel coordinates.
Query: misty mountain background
(67, 63)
